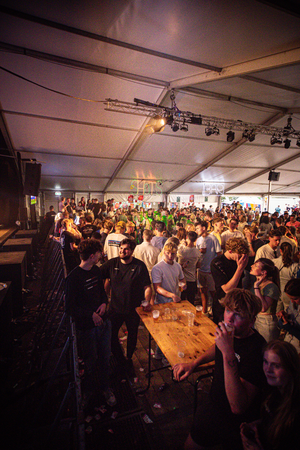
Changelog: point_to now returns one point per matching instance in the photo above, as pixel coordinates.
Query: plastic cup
(181, 345)
(190, 318)
(155, 315)
(181, 284)
(174, 314)
(167, 314)
(229, 328)
(199, 310)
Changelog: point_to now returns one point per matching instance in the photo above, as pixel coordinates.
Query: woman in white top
(287, 270)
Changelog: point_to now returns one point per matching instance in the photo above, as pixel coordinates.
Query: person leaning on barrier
(86, 302)
(238, 377)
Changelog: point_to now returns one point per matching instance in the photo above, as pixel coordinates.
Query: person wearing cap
(113, 241)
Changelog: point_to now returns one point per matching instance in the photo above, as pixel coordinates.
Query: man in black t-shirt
(227, 271)
(88, 229)
(130, 285)
(238, 380)
(86, 302)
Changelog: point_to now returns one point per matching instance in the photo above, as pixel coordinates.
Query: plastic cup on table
(155, 314)
(199, 310)
(174, 314)
(181, 345)
(167, 314)
(190, 318)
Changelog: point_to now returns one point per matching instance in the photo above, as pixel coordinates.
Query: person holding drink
(166, 276)
(238, 377)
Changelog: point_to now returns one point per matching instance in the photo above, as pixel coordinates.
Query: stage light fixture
(175, 126)
(287, 143)
(251, 136)
(298, 143)
(276, 139)
(208, 131)
(230, 136)
(288, 129)
(184, 127)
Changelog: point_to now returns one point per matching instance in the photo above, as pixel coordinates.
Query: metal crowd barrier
(54, 357)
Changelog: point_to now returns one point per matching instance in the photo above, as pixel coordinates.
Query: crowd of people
(241, 265)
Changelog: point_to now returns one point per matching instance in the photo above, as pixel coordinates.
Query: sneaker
(110, 397)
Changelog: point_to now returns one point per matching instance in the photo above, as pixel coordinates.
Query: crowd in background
(218, 256)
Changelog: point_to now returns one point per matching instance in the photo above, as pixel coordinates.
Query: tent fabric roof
(236, 60)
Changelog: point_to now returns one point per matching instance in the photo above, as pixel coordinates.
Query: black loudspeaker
(274, 176)
(32, 179)
(161, 204)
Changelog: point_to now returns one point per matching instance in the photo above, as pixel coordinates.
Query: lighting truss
(151, 110)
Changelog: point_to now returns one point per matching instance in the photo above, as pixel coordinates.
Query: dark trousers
(95, 346)
(132, 321)
(190, 292)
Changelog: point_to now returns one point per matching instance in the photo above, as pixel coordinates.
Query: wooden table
(19, 245)
(26, 233)
(13, 268)
(167, 332)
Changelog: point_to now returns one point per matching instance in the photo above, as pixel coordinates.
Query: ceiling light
(287, 143)
(276, 139)
(230, 136)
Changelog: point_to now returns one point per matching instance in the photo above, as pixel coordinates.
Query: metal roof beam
(285, 58)
(107, 40)
(262, 172)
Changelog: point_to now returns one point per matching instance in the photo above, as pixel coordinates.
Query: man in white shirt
(210, 247)
(146, 252)
(113, 241)
(232, 232)
(166, 276)
(270, 250)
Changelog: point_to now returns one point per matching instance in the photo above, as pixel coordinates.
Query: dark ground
(169, 409)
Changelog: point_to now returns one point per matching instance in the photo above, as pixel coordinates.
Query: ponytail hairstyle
(287, 254)
(271, 269)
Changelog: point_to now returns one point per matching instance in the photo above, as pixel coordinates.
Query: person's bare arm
(160, 290)
(184, 370)
(234, 281)
(240, 393)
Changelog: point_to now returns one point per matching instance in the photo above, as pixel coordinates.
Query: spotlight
(249, 134)
(298, 143)
(184, 127)
(212, 130)
(276, 139)
(209, 131)
(288, 129)
(230, 136)
(175, 126)
(245, 134)
(287, 143)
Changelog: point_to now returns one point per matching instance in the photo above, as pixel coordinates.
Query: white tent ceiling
(236, 60)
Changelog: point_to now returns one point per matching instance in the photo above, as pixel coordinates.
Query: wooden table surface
(167, 332)
(18, 242)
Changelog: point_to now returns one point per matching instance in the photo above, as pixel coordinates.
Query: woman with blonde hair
(69, 240)
(287, 270)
